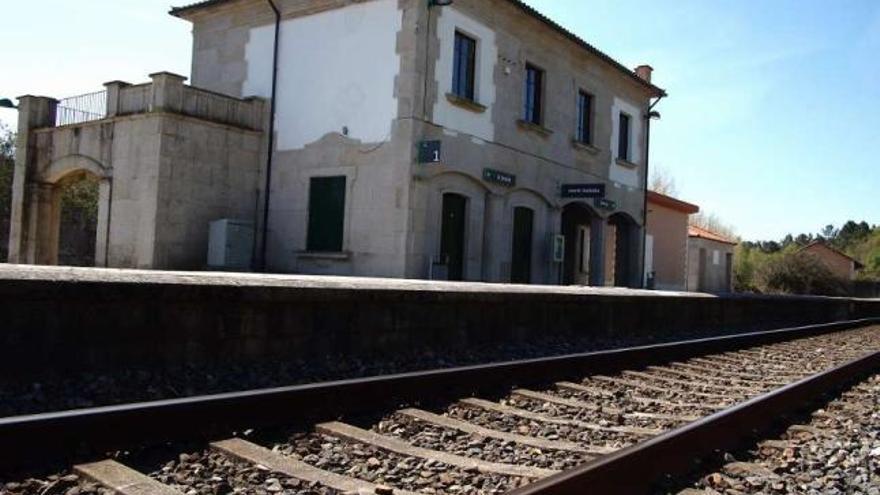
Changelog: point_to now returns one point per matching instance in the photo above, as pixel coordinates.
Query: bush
(798, 273)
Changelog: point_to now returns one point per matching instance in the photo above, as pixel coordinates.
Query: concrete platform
(79, 319)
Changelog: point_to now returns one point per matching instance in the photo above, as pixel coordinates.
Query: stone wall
(75, 320)
(168, 159)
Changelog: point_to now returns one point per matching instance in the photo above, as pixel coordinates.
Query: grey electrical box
(230, 245)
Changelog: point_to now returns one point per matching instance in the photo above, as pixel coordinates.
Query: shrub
(798, 273)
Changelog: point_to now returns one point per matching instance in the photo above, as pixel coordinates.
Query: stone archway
(42, 209)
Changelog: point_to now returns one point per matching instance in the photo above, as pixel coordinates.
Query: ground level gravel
(460, 443)
(380, 467)
(60, 484)
(214, 473)
(543, 429)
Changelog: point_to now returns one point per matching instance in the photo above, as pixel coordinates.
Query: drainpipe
(650, 115)
(268, 188)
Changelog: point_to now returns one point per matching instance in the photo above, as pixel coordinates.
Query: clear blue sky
(772, 123)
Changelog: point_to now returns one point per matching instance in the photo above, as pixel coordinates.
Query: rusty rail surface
(29, 441)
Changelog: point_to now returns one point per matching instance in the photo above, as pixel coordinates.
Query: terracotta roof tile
(694, 231)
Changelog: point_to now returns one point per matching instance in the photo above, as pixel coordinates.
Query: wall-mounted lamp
(654, 115)
(7, 103)
(440, 3)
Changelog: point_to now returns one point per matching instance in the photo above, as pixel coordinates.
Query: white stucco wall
(447, 114)
(337, 69)
(619, 173)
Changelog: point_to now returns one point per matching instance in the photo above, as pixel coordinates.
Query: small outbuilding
(710, 261)
(841, 265)
(667, 242)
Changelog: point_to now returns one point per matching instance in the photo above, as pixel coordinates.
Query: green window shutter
(326, 214)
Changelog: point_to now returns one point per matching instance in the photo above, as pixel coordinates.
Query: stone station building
(474, 141)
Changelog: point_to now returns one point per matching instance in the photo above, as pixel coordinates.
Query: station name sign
(583, 190)
(499, 177)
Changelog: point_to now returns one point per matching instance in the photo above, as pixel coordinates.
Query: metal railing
(81, 108)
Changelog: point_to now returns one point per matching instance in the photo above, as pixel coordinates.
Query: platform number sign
(429, 152)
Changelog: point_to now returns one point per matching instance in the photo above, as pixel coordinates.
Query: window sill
(465, 103)
(626, 163)
(537, 129)
(582, 146)
(316, 255)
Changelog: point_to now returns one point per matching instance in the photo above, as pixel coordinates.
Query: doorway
(521, 260)
(701, 270)
(625, 238)
(577, 222)
(452, 235)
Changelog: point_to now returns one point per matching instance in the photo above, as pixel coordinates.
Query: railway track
(834, 450)
(610, 422)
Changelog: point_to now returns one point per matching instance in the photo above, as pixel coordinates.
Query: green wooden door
(452, 234)
(521, 262)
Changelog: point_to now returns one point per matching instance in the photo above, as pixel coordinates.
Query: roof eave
(654, 90)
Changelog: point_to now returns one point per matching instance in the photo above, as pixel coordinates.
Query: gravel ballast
(19, 395)
(210, 472)
(541, 429)
(380, 467)
(59, 484)
(432, 437)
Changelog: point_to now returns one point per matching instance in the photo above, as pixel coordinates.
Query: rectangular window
(464, 72)
(326, 214)
(585, 117)
(623, 136)
(534, 92)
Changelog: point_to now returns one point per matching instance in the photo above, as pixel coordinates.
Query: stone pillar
(102, 241)
(114, 93)
(48, 224)
(597, 251)
(33, 112)
(166, 93)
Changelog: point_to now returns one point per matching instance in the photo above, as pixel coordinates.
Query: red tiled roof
(672, 203)
(657, 91)
(694, 231)
(824, 244)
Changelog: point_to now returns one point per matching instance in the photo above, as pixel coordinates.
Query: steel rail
(641, 468)
(36, 440)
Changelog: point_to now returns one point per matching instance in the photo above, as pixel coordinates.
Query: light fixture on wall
(654, 115)
(440, 3)
(7, 103)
